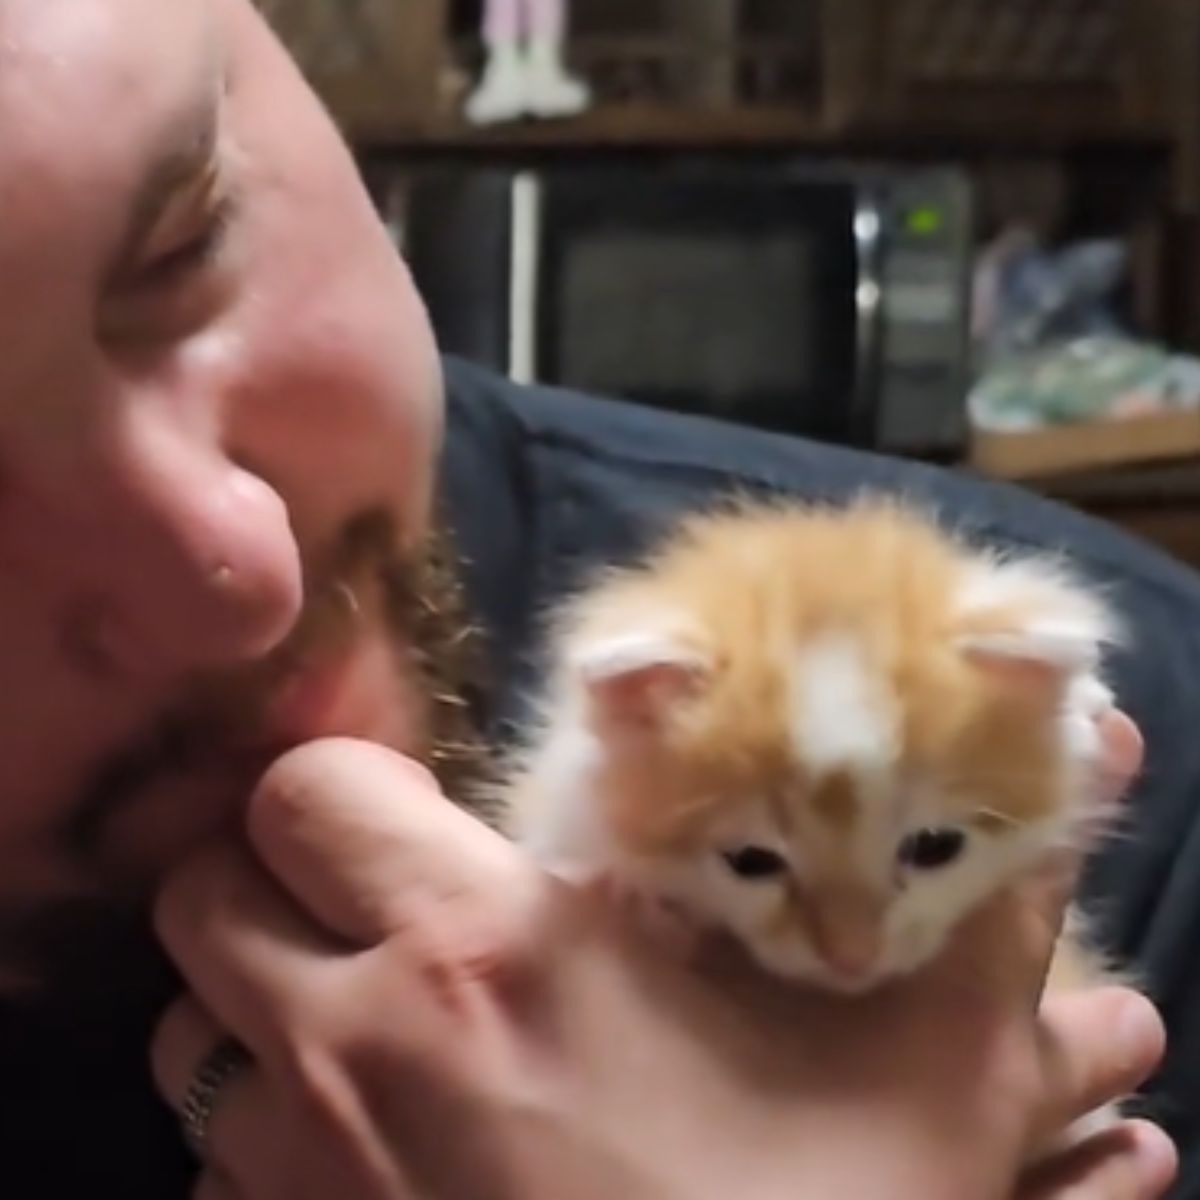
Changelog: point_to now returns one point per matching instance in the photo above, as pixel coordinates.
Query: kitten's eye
(754, 862)
(929, 849)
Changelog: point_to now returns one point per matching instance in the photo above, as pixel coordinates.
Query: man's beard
(93, 957)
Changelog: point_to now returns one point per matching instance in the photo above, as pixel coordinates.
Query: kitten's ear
(635, 679)
(1028, 620)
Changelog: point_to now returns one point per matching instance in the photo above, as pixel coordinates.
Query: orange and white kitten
(832, 733)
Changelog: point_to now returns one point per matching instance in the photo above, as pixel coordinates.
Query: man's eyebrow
(179, 164)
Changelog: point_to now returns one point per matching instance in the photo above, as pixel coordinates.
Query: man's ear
(635, 679)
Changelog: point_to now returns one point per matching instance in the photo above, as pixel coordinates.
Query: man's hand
(1136, 1161)
(431, 1017)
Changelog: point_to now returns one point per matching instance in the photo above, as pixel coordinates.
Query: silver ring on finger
(225, 1060)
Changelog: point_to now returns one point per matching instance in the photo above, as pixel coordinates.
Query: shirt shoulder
(599, 455)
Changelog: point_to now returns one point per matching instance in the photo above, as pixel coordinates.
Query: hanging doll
(524, 74)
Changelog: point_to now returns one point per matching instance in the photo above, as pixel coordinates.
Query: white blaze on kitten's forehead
(842, 714)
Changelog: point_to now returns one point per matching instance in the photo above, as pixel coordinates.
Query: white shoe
(549, 90)
(502, 91)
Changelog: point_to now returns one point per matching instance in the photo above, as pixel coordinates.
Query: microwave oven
(826, 301)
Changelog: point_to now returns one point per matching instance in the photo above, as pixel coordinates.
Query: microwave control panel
(924, 267)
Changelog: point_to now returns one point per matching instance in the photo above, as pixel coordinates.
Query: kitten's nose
(852, 961)
(847, 931)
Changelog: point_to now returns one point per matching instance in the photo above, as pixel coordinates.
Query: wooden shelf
(844, 74)
(657, 127)
(622, 125)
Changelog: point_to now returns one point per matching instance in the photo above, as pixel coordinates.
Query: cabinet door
(1027, 69)
(700, 57)
(378, 64)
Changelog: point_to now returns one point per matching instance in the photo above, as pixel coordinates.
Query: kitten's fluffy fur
(758, 721)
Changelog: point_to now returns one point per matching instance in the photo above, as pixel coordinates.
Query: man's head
(213, 366)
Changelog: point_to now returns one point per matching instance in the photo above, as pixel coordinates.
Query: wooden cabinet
(1027, 69)
(376, 63)
(807, 71)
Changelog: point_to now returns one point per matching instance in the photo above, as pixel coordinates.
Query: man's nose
(188, 558)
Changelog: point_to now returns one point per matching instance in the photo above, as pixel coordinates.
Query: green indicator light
(924, 220)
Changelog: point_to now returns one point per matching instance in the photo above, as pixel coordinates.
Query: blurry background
(963, 230)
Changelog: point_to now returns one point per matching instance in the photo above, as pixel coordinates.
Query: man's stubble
(93, 951)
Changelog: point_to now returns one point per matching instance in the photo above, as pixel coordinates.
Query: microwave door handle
(525, 237)
(868, 312)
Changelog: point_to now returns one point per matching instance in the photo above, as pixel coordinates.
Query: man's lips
(355, 693)
(309, 704)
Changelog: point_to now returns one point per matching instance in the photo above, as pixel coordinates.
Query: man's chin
(169, 819)
(357, 694)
